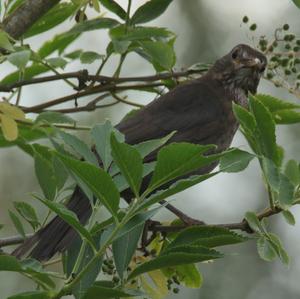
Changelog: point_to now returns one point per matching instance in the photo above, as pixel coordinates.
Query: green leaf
(32, 295)
(289, 217)
(58, 14)
(74, 54)
(124, 248)
(58, 43)
(159, 53)
(60, 172)
(175, 188)
(245, 118)
(19, 59)
(297, 3)
(57, 62)
(292, 172)
(120, 47)
(265, 129)
(89, 57)
(206, 236)
(30, 267)
(101, 136)
(114, 7)
(29, 72)
(9, 263)
(286, 192)
(235, 160)
(26, 133)
(271, 173)
(17, 223)
(286, 117)
(265, 249)
(89, 277)
(54, 118)
(137, 221)
(69, 217)
(129, 162)
(97, 180)
(122, 33)
(275, 104)
(150, 11)
(178, 159)
(100, 290)
(94, 24)
(183, 255)
(254, 222)
(45, 175)
(189, 276)
(277, 245)
(4, 41)
(79, 146)
(147, 147)
(27, 212)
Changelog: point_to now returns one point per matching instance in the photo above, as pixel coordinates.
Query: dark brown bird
(200, 111)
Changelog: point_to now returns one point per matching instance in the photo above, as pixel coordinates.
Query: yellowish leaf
(160, 280)
(153, 294)
(11, 111)
(96, 5)
(9, 127)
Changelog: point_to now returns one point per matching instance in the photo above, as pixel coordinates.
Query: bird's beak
(256, 64)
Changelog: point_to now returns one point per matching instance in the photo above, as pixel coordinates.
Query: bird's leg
(182, 216)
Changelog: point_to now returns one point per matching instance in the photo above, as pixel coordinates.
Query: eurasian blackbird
(200, 111)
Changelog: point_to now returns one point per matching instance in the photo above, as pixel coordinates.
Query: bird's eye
(234, 54)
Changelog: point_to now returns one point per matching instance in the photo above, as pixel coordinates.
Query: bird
(199, 111)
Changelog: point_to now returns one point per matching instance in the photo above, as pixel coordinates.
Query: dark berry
(176, 290)
(245, 19)
(286, 27)
(288, 46)
(287, 72)
(116, 279)
(253, 27)
(284, 61)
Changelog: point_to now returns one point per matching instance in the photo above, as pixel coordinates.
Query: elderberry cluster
(283, 52)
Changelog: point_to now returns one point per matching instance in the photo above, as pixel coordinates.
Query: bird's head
(242, 68)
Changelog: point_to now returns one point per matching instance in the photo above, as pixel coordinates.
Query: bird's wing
(194, 110)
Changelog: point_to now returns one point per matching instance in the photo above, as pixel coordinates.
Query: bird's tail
(57, 235)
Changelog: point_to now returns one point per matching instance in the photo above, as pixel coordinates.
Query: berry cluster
(283, 52)
(171, 281)
(108, 268)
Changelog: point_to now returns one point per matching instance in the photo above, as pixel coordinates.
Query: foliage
(110, 247)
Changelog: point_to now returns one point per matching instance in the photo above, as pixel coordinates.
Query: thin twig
(84, 76)
(124, 101)
(95, 89)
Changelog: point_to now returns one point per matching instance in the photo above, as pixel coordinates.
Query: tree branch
(83, 77)
(156, 227)
(243, 225)
(96, 89)
(17, 23)
(13, 240)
